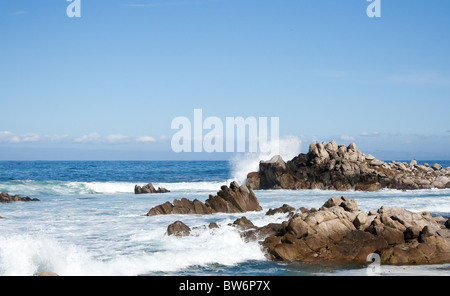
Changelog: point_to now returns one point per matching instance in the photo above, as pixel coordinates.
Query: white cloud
(57, 138)
(347, 138)
(97, 138)
(5, 136)
(370, 134)
(91, 138)
(8, 137)
(117, 138)
(146, 139)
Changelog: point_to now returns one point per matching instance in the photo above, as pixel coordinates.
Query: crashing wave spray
(287, 147)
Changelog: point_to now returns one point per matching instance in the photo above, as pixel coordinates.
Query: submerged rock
(329, 166)
(233, 199)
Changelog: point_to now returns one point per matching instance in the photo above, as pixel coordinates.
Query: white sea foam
(31, 188)
(288, 147)
(29, 255)
(200, 186)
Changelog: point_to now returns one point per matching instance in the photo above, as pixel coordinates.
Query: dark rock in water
(5, 197)
(344, 202)
(329, 166)
(149, 189)
(340, 232)
(233, 199)
(260, 233)
(162, 190)
(243, 223)
(178, 228)
(283, 209)
(369, 187)
(164, 209)
(213, 225)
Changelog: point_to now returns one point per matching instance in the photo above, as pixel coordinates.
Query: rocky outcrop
(149, 189)
(233, 199)
(5, 197)
(178, 228)
(213, 225)
(281, 210)
(340, 232)
(243, 223)
(339, 167)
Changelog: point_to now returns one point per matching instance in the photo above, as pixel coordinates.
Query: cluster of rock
(340, 167)
(5, 197)
(249, 231)
(149, 188)
(233, 199)
(340, 232)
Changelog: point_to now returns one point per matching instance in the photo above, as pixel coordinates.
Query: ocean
(89, 222)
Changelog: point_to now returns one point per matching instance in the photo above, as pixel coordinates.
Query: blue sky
(109, 84)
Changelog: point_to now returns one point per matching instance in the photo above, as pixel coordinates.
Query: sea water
(89, 221)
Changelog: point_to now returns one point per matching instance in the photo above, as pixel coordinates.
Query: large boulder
(178, 228)
(340, 232)
(233, 199)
